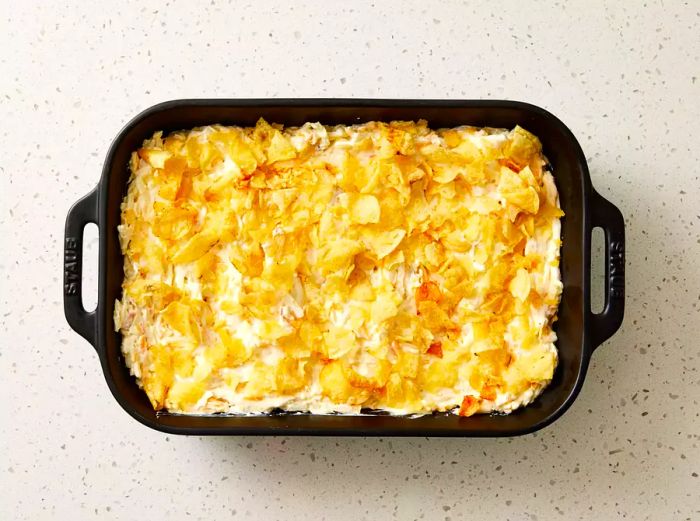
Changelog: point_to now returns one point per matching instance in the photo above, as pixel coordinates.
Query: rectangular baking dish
(579, 330)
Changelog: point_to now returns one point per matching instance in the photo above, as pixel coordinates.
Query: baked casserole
(340, 269)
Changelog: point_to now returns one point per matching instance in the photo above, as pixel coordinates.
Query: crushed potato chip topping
(381, 266)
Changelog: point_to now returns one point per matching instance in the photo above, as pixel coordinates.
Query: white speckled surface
(623, 76)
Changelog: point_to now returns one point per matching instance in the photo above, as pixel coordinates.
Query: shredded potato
(381, 266)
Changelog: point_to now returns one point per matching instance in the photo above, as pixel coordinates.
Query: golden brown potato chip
(337, 387)
(195, 247)
(280, 148)
(154, 157)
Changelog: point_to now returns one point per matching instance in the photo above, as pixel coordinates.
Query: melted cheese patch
(340, 269)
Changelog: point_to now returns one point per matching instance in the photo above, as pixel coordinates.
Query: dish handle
(80, 214)
(609, 218)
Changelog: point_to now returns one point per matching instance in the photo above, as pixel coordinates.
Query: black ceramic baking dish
(579, 330)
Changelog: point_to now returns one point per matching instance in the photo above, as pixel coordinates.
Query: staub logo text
(71, 277)
(617, 270)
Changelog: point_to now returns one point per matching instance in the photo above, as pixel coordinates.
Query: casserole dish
(579, 331)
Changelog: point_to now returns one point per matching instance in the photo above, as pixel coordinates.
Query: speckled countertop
(623, 76)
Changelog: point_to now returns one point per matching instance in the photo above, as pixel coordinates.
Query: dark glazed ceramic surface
(579, 331)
